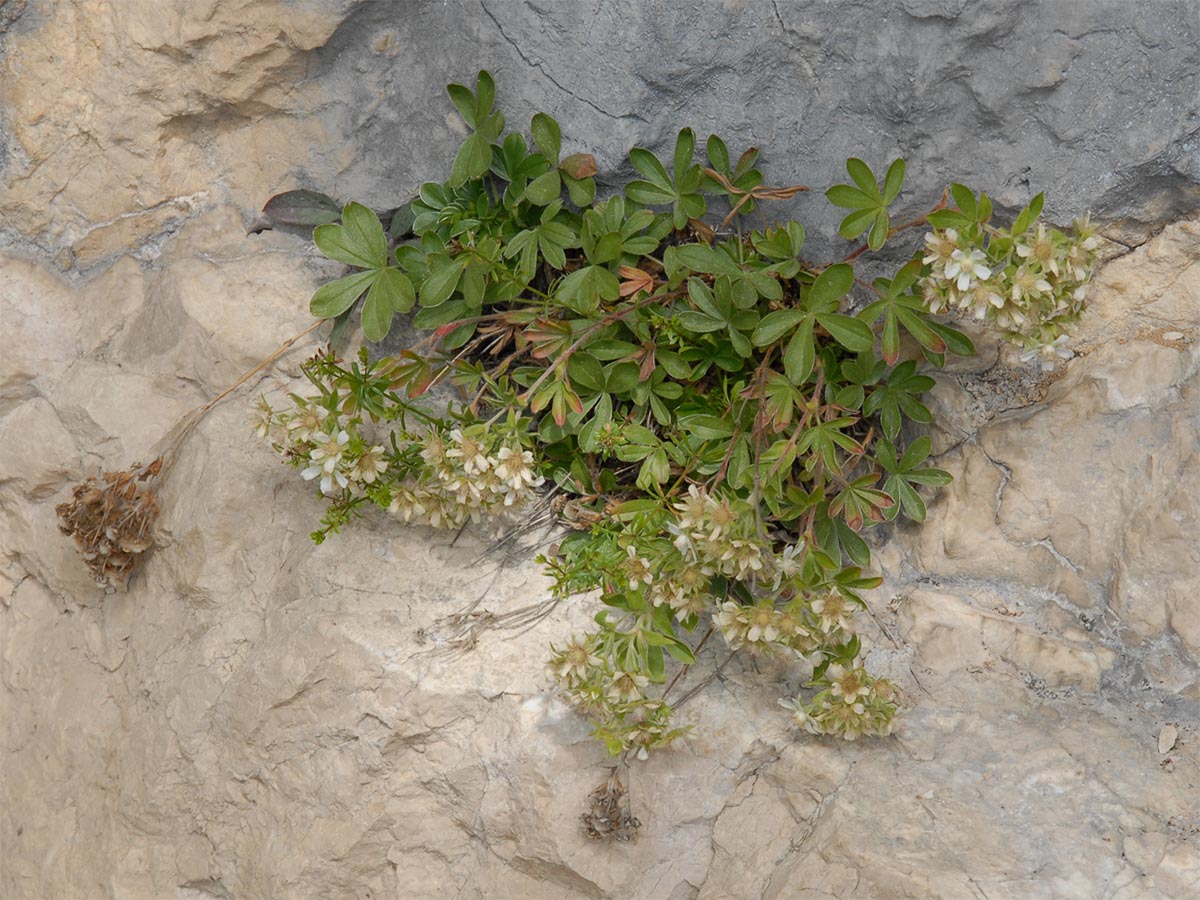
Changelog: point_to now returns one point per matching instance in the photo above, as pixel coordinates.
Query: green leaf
(586, 371)
(916, 325)
(335, 298)
(581, 191)
(853, 334)
(464, 100)
(654, 171)
(376, 315)
(682, 652)
(608, 248)
(699, 322)
(775, 325)
(547, 136)
(831, 285)
(706, 427)
(879, 230)
(358, 241)
(718, 154)
(856, 223)
(394, 290)
(442, 314)
(864, 178)
(947, 218)
(702, 258)
(850, 198)
(800, 354)
(893, 181)
(485, 92)
(685, 149)
(964, 199)
(441, 283)
(956, 342)
(702, 296)
(544, 189)
(853, 545)
(648, 194)
(891, 337)
(473, 160)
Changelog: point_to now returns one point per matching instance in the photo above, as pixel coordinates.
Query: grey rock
(1097, 103)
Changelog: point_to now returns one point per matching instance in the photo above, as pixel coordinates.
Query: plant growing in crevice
(723, 417)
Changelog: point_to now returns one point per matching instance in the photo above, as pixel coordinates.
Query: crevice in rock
(540, 67)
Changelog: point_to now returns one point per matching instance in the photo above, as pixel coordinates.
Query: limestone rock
(124, 125)
(259, 716)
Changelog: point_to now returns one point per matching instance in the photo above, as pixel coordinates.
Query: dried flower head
(111, 517)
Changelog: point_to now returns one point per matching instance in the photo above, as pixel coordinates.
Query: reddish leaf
(579, 165)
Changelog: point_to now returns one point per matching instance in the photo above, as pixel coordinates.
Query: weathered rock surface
(260, 717)
(121, 121)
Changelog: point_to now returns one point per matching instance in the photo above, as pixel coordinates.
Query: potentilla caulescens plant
(723, 419)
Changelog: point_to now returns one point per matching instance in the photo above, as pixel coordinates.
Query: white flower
(627, 686)
(789, 563)
(308, 422)
(327, 478)
(682, 541)
(1048, 354)
(262, 417)
(324, 459)
(573, 662)
(470, 451)
(515, 468)
(982, 296)
(693, 509)
(1040, 251)
(746, 557)
(936, 298)
(940, 247)
(847, 685)
(368, 467)
(964, 267)
(637, 569)
(1028, 284)
(761, 624)
(328, 453)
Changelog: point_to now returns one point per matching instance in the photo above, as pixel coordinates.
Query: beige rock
(114, 109)
(951, 634)
(261, 717)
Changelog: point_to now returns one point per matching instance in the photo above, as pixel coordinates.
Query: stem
(186, 425)
(602, 324)
(683, 669)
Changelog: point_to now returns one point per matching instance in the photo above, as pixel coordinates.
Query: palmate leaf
(682, 191)
(899, 305)
(336, 297)
(906, 472)
(358, 241)
(869, 203)
(897, 397)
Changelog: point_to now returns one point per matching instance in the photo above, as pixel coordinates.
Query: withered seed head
(111, 517)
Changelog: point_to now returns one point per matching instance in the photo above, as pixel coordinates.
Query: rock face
(261, 717)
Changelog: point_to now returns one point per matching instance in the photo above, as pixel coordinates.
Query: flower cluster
(325, 447)
(1032, 284)
(441, 474)
(719, 535)
(468, 473)
(616, 699)
(762, 628)
(853, 704)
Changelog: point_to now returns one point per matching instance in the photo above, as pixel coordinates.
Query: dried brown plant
(111, 516)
